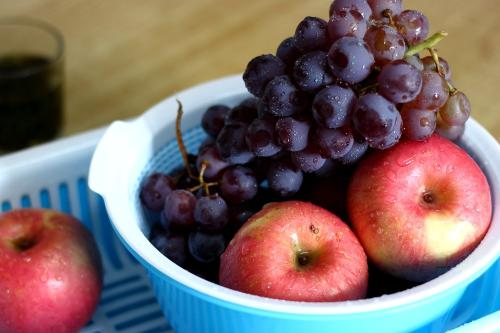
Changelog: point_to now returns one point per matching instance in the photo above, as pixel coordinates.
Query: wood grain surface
(124, 56)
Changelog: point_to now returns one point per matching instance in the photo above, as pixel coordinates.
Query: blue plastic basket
(55, 176)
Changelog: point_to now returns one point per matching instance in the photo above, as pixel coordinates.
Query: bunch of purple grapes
(333, 91)
(194, 217)
(336, 89)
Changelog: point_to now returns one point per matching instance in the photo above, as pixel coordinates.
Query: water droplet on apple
(245, 249)
(450, 169)
(266, 285)
(392, 199)
(391, 176)
(404, 162)
(27, 259)
(380, 231)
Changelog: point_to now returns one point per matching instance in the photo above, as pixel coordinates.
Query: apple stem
(180, 142)
(23, 244)
(429, 43)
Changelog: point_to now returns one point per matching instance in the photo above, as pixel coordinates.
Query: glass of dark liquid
(31, 83)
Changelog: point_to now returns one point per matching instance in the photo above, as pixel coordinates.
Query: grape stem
(203, 183)
(387, 13)
(180, 142)
(429, 43)
(367, 88)
(435, 58)
(439, 69)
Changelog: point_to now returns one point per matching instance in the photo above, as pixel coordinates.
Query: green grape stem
(429, 43)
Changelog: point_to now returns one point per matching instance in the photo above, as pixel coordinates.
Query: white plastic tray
(55, 176)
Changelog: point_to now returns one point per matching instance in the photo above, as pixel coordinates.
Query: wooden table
(124, 56)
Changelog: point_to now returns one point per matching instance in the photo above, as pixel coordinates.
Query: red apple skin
(51, 280)
(419, 208)
(261, 259)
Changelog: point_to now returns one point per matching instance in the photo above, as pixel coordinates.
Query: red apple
(295, 251)
(419, 208)
(50, 272)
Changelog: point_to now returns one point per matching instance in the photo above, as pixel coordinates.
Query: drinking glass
(31, 82)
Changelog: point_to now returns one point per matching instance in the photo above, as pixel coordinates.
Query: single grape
(333, 142)
(155, 189)
(156, 229)
(379, 7)
(238, 184)
(212, 120)
(178, 210)
(346, 23)
(308, 159)
(292, 134)
(281, 98)
(284, 178)
(172, 245)
(260, 166)
(361, 6)
(232, 145)
(329, 168)
(415, 61)
(211, 213)
(374, 116)
(430, 65)
(288, 52)
(413, 26)
(243, 113)
(386, 43)
(399, 82)
(451, 132)
(184, 181)
(214, 163)
(357, 151)
(238, 215)
(260, 70)
(261, 138)
(209, 141)
(350, 59)
(390, 139)
(206, 247)
(332, 106)
(249, 103)
(457, 109)
(434, 92)
(418, 124)
(311, 34)
(311, 71)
